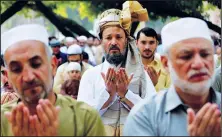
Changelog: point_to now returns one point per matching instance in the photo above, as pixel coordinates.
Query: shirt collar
(106, 65)
(173, 100)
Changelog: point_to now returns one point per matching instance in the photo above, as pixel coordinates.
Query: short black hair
(85, 55)
(51, 37)
(149, 32)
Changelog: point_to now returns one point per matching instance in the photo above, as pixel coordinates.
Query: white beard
(197, 88)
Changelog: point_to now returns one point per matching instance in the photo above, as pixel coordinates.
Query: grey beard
(115, 59)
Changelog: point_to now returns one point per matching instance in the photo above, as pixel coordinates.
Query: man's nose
(28, 75)
(114, 41)
(147, 46)
(197, 63)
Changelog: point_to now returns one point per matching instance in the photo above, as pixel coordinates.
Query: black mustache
(114, 47)
(147, 50)
(31, 84)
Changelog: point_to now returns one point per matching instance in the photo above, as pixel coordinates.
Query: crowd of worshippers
(115, 84)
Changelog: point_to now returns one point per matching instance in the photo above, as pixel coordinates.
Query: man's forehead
(75, 56)
(194, 43)
(191, 49)
(26, 44)
(25, 49)
(115, 30)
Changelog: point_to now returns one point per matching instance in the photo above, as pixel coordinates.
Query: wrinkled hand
(20, 121)
(110, 81)
(46, 121)
(207, 122)
(154, 76)
(123, 82)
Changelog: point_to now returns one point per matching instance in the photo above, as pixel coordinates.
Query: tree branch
(75, 27)
(52, 17)
(17, 6)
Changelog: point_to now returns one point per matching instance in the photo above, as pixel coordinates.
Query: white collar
(106, 65)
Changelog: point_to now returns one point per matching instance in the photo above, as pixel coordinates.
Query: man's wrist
(122, 96)
(123, 99)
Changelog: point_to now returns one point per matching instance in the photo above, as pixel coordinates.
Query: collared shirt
(217, 82)
(164, 78)
(164, 115)
(61, 73)
(75, 118)
(92, 90)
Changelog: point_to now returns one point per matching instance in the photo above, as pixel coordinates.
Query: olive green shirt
(75, 118)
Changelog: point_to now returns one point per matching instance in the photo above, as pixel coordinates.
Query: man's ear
(157, 42)
(54, 64)
(164, 61)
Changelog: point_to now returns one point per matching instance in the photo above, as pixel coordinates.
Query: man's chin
(198, 88)
(34, 99)
(147, 56)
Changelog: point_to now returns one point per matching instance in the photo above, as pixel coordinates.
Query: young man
(61, 57)
(147, 43)
(116, 85)
(39, 111)
(86, 48)
(190, 107)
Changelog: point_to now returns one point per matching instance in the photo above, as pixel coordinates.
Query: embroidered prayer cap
(24, 32)
(73, 66)
(182, 29)
(74, 49)
(132, 11)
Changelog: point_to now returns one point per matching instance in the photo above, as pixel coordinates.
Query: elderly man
(68, 41)
(116, 85)
(147, 43)
(87, 48)
(190, 107)
(74, 54)
(39, 111)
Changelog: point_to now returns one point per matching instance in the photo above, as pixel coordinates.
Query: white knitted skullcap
(73, 66)
(24, 32)
(82, 38)
(182, 29)
(74, 49)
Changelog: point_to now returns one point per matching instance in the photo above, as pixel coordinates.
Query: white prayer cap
(69, 39)
(182, 29)
(73, 66)
(82, 38)
(74, 49)
(23, 32)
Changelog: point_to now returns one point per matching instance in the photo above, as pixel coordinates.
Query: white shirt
(92, 90)
(89, 51)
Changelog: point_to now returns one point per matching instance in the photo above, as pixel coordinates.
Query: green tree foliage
(84, 8)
